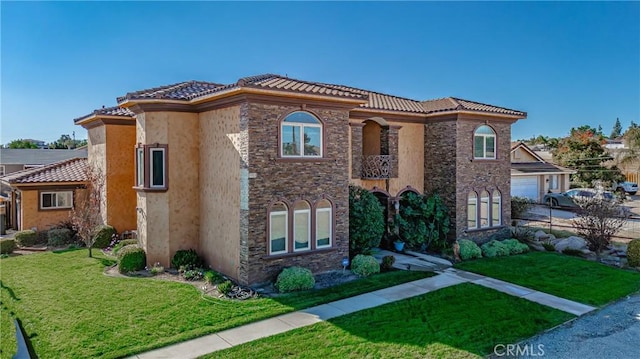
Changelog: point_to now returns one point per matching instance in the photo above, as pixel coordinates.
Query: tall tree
(617, 129)
(583, 150)
(21, 144)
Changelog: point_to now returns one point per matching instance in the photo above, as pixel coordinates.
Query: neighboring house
(44, 196)
(614, 143)
(254, 175)
(532, 176)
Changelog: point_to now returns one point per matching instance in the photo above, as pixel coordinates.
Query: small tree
(520, 206)
(85, 215)
(366, 221)
(597, 221)
(422, 220)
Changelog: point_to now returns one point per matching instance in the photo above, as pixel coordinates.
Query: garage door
(525, 186)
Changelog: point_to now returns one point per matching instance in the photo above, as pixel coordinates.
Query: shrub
(30, 238)
(123, 243)
(572, 252)
(633, 253)
(469, 249)
(156, 269)
(520, 206)
(387, 262)
(365, 266)
(422, 221)
(294, 279)
(366, 221)
(523, 234)
(597, 221)
(59, 237)
(212, 277)
(7, 245)
(514, 246)
(225, 287)
(186, 258)
(192, 274)
(103, 235)
(494, 249)
(548, 246)
(131, 258)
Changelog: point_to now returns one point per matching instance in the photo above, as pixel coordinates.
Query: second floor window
(151, 167)
(301, 135)
(484, 143)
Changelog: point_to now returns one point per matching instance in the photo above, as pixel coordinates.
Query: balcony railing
(376, 167)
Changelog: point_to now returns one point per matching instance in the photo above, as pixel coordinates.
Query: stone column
(356, 150)
(392, 146)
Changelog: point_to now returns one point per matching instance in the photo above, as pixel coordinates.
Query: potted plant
(399, 245)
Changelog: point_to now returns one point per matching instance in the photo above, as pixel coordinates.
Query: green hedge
(469, 249)
(59, 237)
(294, 279)
(365, 266)
(7, 245)
(187, 259)
(633, 253)
(30, 238)
(122, 243)
(102, 236)
(131, 258)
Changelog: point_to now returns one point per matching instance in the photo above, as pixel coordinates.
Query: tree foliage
(422, 220)
(66, 142)
(597, 221)
(583, 150)
(20, 143)
(85, 214)
(366, 221)
(617, 129)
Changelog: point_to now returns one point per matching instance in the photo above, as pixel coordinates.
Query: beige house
(254, 175)
(532, 176)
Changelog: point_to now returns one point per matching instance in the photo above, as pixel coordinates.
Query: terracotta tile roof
(73, 170)
(276, 82)
(382, 101)
(107, 111)
(181, 91)
(453, 104)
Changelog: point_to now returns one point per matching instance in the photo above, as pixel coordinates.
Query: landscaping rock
(541, 236)
(537, 247)
(573, 242)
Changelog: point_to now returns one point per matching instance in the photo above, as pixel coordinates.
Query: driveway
(611, 332)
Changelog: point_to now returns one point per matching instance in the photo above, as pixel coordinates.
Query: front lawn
(564, 276)
(462, 321)
(69, 308)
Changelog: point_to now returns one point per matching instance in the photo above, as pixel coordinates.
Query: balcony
(376, 167)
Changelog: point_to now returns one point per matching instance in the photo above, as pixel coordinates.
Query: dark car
(569, 198)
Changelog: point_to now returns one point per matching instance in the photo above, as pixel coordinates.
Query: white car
(628, 187)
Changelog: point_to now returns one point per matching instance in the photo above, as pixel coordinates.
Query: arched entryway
(385, 201)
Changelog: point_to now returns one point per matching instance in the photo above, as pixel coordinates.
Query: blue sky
(566, 64)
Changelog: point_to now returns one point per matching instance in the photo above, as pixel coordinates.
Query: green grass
(463, 321)
(70, 309)
(567, 277)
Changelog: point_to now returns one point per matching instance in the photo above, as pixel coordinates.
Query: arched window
(278, 228)
(472, 210)
(484, 143)
(484, 209)
(301, 135)
(323, 224)
(496, 209)
(301, 226)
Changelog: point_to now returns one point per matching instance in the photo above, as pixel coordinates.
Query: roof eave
(520, 116)
(96, 117)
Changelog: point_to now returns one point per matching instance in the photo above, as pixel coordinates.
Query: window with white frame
(323, 224)
(301, 135)
(56, 200)
(496, 209)
(484, 143)
(151, 167)
(278, 228)
(472, 210)
(484, 209)
(554, 182)
(301, 226)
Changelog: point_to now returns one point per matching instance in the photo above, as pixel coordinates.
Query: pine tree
(617, 129)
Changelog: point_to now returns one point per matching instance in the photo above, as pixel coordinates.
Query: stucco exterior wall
(169, 220)
(32, 217)
(120, 177)
(520, 156)
(277, 179)
(410, 158)
(97, 158)
(222, 142)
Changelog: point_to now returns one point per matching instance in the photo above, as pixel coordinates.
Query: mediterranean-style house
(532, 176)
(254, 175)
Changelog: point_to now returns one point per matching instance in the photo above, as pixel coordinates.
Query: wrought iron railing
(376, 167)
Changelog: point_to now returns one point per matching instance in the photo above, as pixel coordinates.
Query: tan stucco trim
(98, 120)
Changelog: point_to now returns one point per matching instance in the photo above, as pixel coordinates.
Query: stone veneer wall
(440, 160)
(274, 179)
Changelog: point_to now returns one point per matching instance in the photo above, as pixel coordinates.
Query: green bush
(187, 259)
(365, 266)
(7, 245)
(122, 243)
(59, 237)
(102, 236)
(572, 252)
(387, 263)
(469, 249)
(514, 246)
(212, 277)
(549, 247)
(520, 206)
(633, 253)
(192, 274)
(131, 258)
(295, 279)
(366, 221)
(30, 238)
(494, 249)
(225, 287)
(422, 220)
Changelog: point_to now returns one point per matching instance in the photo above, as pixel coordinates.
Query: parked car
(569, 198)
(627, 187)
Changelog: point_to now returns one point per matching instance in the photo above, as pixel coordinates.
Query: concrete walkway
(283, 323)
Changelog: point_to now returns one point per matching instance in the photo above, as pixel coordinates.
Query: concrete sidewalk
(283, 323)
